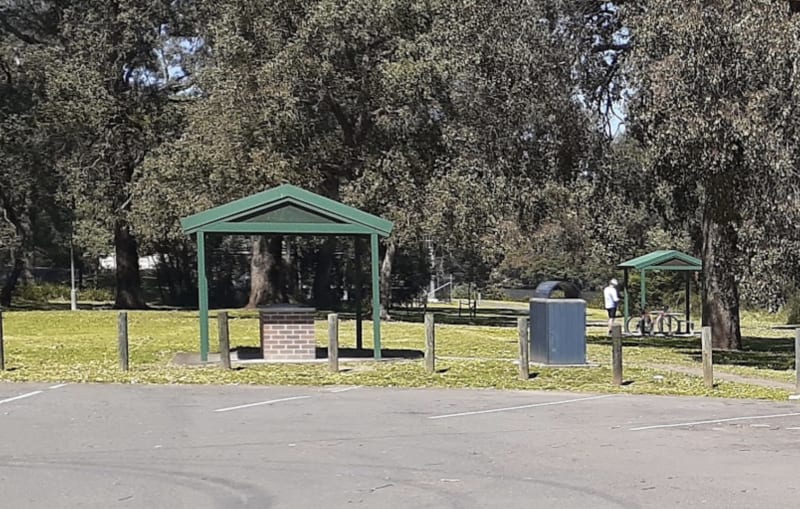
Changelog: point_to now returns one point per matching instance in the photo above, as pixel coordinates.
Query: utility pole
(73, 293)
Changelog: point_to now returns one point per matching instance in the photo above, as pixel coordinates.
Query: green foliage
(793, 310)
(715, 109)
(43, 293)
(480, 127)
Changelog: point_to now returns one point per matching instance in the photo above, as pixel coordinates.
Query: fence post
(333, 343)
(224, 339)
(430, 343)
(708, 361)
(2, 345)
(616, 354)
(522, 332)
(122, 340)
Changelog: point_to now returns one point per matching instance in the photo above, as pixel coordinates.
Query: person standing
(611, 298)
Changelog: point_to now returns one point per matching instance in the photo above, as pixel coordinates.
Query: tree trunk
(260, 265)
(129, 282)
(277, 272)
(288, 271)
(294, 266)
(720, 294)
(22, 254)
(386, 279)
(7, 292)
(323, 296)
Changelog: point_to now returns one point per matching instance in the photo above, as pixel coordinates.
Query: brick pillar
(287, 333)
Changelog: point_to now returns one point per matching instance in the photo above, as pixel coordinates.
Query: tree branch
(342, 119)
(16, 32)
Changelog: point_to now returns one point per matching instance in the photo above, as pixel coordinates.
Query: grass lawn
(62, 346)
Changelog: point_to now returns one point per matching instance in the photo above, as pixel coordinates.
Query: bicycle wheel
(634, 325)
(671, 324)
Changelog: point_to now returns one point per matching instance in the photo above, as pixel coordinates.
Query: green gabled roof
(664, 260)
(276, 210)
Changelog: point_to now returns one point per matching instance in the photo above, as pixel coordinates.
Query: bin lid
(546, 289)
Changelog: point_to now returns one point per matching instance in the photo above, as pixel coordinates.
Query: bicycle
(645, 324)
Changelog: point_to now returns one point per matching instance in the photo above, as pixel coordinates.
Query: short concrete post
(333, 343)
(616, 354)
(2, 344)
(430, 343)
(708, 361)
(524, 364)
(122, 340)
(224, 339)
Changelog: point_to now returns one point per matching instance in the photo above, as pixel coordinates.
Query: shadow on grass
(763, 353)
(654, 342)
(253, 352)
(450, 316)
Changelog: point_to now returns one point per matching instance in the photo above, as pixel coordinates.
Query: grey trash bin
(558, 326)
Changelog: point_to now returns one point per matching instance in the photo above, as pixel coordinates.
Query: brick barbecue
(287, 332)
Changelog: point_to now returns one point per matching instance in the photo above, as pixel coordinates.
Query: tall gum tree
(715, 107)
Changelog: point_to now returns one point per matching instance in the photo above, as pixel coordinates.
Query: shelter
(286, 210)
(659, 260)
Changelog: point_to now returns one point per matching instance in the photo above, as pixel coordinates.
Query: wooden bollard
(2, 345)
(430, 343)
(122, 340)
(708, 360)
(524, 365)
(616, 354)
(224, 339)
(333, 343)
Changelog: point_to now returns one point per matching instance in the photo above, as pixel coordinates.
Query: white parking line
(345, 389)
(521, 407)
(260, 403)
(58, 386)
(715, 421)
(21, 396)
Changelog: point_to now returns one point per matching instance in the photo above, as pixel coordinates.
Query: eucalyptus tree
(109, 104)
(337, 96)
(715, 106)
(27, 181)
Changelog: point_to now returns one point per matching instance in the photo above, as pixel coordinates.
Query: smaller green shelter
(660, 260)
(285, 210)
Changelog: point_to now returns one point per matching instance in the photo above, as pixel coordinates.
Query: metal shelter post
(642, 296)
(376, 297)
(688, 303)
(359, 295)
(626, 309)
(202, 289)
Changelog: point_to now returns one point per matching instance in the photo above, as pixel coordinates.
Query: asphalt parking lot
(136, 446)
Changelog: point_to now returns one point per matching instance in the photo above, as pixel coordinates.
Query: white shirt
(611, 296)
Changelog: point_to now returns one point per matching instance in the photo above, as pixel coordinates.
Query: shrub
(793, 310)
(46, 292)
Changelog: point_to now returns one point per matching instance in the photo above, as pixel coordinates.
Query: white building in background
(145, 262)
